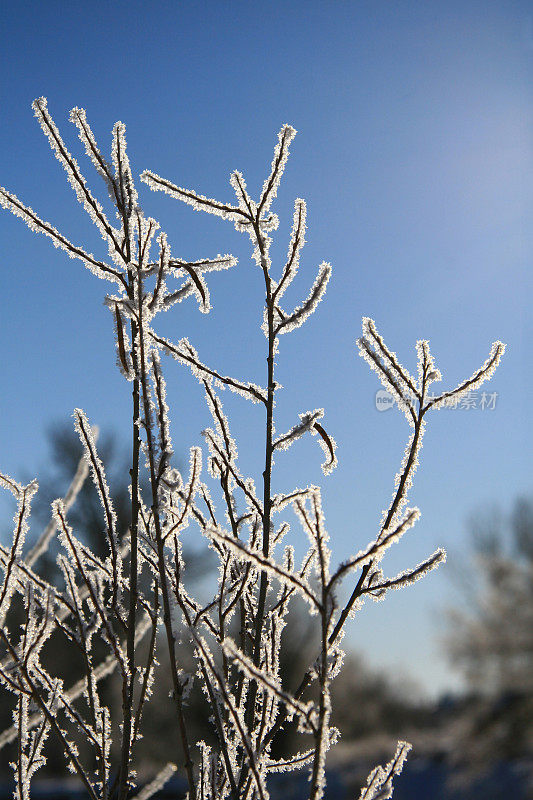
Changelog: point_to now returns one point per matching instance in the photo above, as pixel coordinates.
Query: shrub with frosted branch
(237, 636)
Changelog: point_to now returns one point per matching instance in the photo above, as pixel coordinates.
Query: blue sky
(414, 153)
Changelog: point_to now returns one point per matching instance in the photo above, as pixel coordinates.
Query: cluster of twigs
(237, 636)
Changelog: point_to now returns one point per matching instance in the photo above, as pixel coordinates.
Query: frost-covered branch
(237, 634)
(379, 783)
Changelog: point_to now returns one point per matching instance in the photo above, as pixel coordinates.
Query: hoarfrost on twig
(240, 677)
(379, 783)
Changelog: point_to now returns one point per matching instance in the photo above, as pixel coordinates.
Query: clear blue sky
(414, 153)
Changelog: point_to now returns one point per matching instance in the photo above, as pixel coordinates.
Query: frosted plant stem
(133, 593)
(267, 482)
(178, 689)
(19, 534)
(324, 707)
(267, 478)
(250, 717)
(128, 684)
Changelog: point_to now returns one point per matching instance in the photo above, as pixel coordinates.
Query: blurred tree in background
(491, 641)
(367, 702)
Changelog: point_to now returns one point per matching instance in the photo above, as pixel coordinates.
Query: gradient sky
(414, 153)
